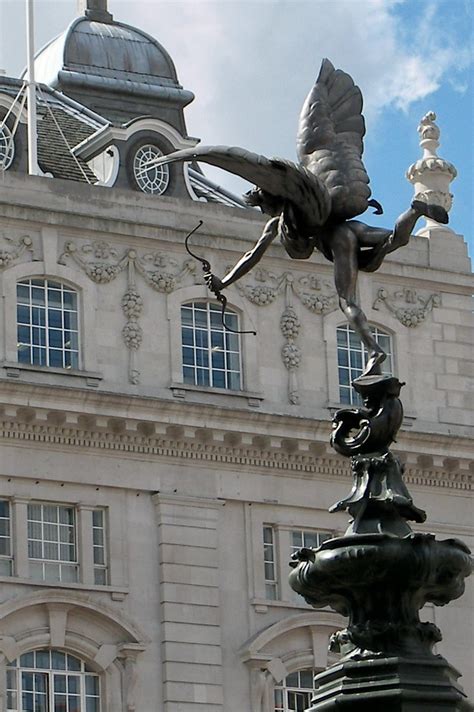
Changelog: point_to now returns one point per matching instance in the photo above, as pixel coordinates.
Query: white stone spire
(431, 175)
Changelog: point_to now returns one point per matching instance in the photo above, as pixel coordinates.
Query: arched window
(352, 358)
(47, 323)
(294, 693)
(7, 147)
(211, 355)
(52, 681)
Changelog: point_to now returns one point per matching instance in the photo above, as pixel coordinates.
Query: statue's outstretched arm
(247, 261)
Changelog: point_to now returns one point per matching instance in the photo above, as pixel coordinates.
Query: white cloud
(252, 62)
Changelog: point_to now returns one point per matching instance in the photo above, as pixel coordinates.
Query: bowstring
(206, 268)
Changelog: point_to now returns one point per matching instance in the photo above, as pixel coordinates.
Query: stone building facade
(156, 473)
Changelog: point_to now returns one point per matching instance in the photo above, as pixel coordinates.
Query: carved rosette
(11, 250)
(407, 305)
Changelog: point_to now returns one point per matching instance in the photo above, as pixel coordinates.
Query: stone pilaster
(190, 608)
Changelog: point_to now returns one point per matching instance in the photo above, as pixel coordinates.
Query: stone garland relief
(407, 305)
(315, 294)
(12, 249)
(102, 263)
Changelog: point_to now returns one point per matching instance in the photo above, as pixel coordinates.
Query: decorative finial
(431, 175)
(95, 10)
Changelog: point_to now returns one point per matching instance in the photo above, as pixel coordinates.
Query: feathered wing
(280, 178)
(329, 141)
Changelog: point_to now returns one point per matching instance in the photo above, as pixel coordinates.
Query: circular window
(7, 148)
(150, 178)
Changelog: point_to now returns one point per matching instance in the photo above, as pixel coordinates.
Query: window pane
(297, 539)
(98, 518)
(22, 292)
(66, 515)
(51, 551)
(60, 683)
(92, 685)
(268, 535)
(54, 297)
(218, 380)
(28, 660)
(200, 338)
(187, 337)
(70, 300)
(43, 659)
(56, 358)
(58, 660)
(35, 550)
(200, 318)
(306, 678)
(100, 577)
(186, 316)
(68, 573)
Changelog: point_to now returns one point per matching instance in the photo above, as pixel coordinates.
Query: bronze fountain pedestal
(380, 574)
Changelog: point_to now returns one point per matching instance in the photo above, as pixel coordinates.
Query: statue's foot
(373, 367)
(435, 212)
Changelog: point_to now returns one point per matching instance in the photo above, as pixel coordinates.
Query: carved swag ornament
(103, 263)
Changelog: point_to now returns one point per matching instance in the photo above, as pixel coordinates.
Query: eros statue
(312, 204)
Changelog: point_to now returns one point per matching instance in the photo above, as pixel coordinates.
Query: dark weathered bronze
(312, 204)
(380, 574)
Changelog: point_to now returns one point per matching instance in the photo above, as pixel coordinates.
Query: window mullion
(283, 555)
(20, 536)
(209, 345)
(46, 320)
(85, 543)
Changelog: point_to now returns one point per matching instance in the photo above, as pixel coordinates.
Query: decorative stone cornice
(215, 447)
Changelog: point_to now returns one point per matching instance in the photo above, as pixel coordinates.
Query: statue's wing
(329, 141)
(278, 177)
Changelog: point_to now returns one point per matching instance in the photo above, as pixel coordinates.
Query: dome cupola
(116, 70)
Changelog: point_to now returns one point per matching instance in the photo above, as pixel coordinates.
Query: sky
(251, 63)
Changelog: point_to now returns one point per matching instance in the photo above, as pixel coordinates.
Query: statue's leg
(345, 247)
(405, 224)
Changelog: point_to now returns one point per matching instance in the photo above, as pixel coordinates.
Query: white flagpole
(31, 92)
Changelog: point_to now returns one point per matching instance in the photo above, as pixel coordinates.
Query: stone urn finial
(431, 175)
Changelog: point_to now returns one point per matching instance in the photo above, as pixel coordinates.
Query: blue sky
(251, 63)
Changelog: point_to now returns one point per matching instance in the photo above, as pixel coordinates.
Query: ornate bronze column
(380, 574)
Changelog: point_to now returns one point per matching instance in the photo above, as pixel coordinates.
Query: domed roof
(112, 56)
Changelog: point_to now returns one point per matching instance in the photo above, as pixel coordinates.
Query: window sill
(118, 593)
(262, 605)
(15, 369)
(180, 390)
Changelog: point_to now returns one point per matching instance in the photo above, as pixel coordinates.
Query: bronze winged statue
(313, 203)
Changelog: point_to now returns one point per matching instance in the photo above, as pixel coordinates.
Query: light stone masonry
(188, 476)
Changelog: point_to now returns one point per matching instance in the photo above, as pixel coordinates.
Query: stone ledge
(14, 369)
(117, 593)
